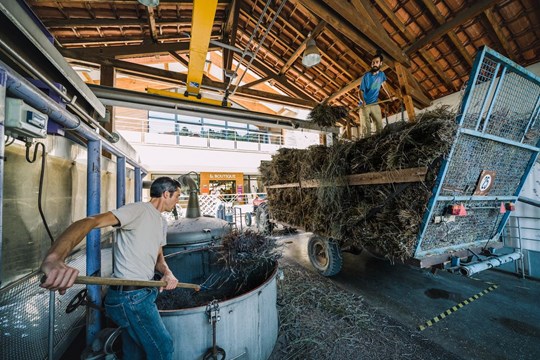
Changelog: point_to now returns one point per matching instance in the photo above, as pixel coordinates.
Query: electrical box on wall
(24, 121)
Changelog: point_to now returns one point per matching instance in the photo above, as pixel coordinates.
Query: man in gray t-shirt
(138, 253)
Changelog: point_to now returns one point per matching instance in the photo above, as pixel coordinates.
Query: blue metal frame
(495, 95)
(486, 98)
(19, 87)
(138, 184)
(93, 239)
(2, 153)
(120, 181)
(491, 97)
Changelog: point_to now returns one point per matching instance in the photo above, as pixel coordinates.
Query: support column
(120, 181)
(107, 78)
(138, 184)
(93, 246)
(3, 77)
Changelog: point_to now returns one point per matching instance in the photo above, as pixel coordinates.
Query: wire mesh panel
(24, 314)
(493, 152)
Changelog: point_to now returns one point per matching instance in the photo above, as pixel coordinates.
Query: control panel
(23, 121)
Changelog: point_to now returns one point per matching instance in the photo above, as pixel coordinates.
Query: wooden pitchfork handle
(92, 280)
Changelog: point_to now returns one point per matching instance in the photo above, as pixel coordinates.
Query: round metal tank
(196, 231)
(248, 324)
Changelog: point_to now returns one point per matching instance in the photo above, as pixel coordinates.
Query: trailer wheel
(325, 255)
(262, 219)
(248, 219)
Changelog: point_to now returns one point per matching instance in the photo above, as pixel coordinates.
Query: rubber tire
(262, 219)
(325, 255)
(248, 219)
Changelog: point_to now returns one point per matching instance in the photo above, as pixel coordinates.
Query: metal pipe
(138, 100)
(230, 47)
(52, 313)
(120, 181)
(468, 270)
(138, 184)
(193, 210)
(529, 201)
(3, 78)
(23, 89)
(93, 239)
(70, 101)
(521, 249)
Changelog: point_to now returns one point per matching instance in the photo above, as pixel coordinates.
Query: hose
(41, 177)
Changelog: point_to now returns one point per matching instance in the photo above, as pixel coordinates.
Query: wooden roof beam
(460, 17)
(152, 23)
(344, 28)
(352, 85)
(134, 50)
(178, 58)
(173, 77)
(74, 22)
(348, 12)
(495, 26)
(229, 35)
(390, 15)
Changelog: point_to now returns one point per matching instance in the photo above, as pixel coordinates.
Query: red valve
(510, 206)
(458, 210)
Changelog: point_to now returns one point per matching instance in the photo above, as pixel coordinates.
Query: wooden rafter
(495, 26)
(178, 58)
(229, 34)
(459, 18)
(390, 15)
(350, 11)
(352, 85)
(133, 51)
(152, 23)
(180, 78)
(322, 11)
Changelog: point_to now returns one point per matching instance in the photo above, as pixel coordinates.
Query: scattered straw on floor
(318, 320)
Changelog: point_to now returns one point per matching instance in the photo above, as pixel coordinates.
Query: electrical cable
(8, 142)
(41, 177)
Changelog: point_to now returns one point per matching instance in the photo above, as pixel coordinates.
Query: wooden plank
(352, 85)
(462, 16)
(282, 186)
(406, 92)
(373, 178)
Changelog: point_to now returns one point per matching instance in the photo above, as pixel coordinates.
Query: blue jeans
(143, 331)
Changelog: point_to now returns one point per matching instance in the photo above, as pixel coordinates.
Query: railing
(163, 132)
(209, 203)
(523, 233)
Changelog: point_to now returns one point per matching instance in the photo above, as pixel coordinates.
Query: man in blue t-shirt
(369, 95)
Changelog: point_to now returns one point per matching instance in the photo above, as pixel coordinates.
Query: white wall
(174, 159)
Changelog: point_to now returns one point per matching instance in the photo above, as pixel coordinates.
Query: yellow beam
(184, 97)
(204, 12)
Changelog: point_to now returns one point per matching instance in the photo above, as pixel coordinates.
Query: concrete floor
(502, 324)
